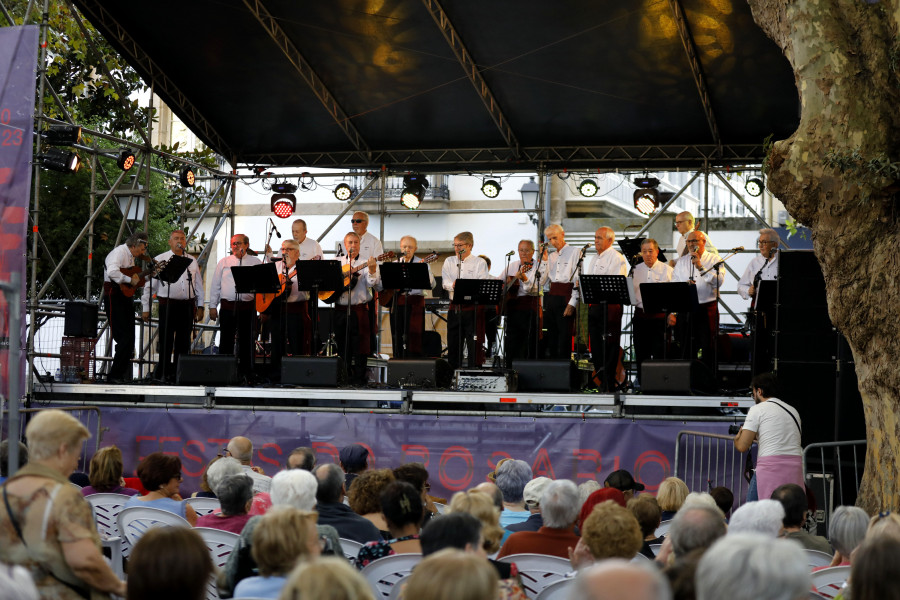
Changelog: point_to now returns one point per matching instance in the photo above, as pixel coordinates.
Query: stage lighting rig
(63, 135)
(588, 188)
(754, 186)
(414, 186)
(125, 159)
(646, 197)
(60, 160)
(283, 200)
(186, 177)
(490, 188)
(343, 192)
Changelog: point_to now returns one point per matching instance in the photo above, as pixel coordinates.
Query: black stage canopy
(445, 85)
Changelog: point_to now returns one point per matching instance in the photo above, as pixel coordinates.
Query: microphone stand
(500, 314)
(537, 313)
(347, 352)
(573, 280)
(459, 327)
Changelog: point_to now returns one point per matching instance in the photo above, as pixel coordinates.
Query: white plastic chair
(558, 590)
(655, 548)
(817, 558)
(106, 508)
(441, 508)
(397, 588)
(663, 528)
(639, 558)
(383, 573)
(350, 548)
(828, 582)
(204, 506)
(134, 521)
(220, 544)
(537, 571)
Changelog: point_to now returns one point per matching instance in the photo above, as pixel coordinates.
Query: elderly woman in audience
(670, 495)
(511, 478)
(326, 578)
(647, 512)
(846, 531)
(228, 466)
(44, 512)
(873, 574)
(599, 497)
(160, 474)
(403, 512)
(751, 566)
(206, 491)
(586, 488)
(559, 507)
(609, 532)
(762, 516)
(295, 488)
(235, 494)
(416, 475)
(168, 563)
(463, 531)
(479, 505)
(452, 574)
(283, 537)
(106, 474)
(364, 494)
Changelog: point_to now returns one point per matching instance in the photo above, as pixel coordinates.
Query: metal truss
(287, 47)
(473, 72)
(664, 157)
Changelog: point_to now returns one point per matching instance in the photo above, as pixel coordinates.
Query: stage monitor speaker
(676, 377)
(312, 371)
(81, 319)
(546, 375)
(203, 369)
(418, 373)
(431, 344)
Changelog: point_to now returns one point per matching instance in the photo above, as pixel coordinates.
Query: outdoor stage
(458, 435)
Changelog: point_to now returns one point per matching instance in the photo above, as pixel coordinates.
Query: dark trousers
(465, 326)
(353, 348)
(521, 328)
(704, 324)
(120, 313)
(648, 336)
(407, 319)
(290, 330)
(237, 332)
(558, 329)
(612, 326)
(176, 323)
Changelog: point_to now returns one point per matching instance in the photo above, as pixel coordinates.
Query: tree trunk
(838, 174)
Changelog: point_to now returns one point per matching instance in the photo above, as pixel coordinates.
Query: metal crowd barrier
(707, 460)
(826, 472)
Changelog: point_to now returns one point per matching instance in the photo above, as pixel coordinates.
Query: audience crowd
(290, 528)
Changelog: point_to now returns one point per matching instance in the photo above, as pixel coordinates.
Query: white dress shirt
(769, 273)
(660, 272)
(369, 245)
(181, 289)
(222, 287)
(309, 249)
(361, 292)
(529, 286)
(416, 259)
(707, 284)
(473, 267)
(560, 266)
(120, 258)
(608, 262)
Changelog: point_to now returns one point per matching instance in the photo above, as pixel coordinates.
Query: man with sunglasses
(369, 246)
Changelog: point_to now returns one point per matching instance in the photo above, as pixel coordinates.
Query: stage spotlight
(186, 177)
(60, 160)
(413, 192)
(283, 200)
(490, 188)
(754, 186)
(588, 188)
(126, 159)
(646, 201)
(63, 135)
(343, 192)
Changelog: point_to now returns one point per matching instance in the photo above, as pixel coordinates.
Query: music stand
(669, 297)
(631, 250)
(404, 277)
(475, 292)
(256, 279)
(764, 305)
(605, 290)
(174, 269)
(316, 276)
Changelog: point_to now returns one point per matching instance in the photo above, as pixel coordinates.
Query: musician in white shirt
(237, 327)
(763, 267)
(408, 308)
(180, 305)
(700, 267)
(523, 302)
(119, 306)
(649, 328)
(559, 300)
(464, 322)
(355, 346)
(607, 262)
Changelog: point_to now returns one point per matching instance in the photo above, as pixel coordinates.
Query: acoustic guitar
(264, 300)
(155, 267)
(351, 276)
(386, 297)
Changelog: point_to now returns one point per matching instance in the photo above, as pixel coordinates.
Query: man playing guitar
(408, 309)
(119, 283)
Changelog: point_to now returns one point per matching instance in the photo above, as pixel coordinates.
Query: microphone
(510, 253)
(252, 252)
(586, 246)
(340, 251)
(180, 247)
(275, 229)
(738, 249)
(274, 260)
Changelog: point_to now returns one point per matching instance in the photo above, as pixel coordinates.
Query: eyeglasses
(460, 245)
(357, 220)
(677, 222)
(765, 243)
(237, 244)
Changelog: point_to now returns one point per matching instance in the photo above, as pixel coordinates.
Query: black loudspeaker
(676, 377)
(420, 373)
(546, 375)
(81, 319)
(203, 369)
(312, 371)
(431, 344)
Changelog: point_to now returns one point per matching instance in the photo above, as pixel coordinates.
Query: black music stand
(254, 279)
(174, 269)
(475, 292)
(669, 297)
(605, 290)
(316, 276)
(403, 277)
(764, 307)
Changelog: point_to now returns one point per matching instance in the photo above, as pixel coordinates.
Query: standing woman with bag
(46, 525)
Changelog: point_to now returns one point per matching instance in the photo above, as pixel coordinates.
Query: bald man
(559, 299)
(617, 579)
(241, 449)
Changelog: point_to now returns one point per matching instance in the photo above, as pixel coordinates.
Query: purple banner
(459, 452)
(17, 76)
